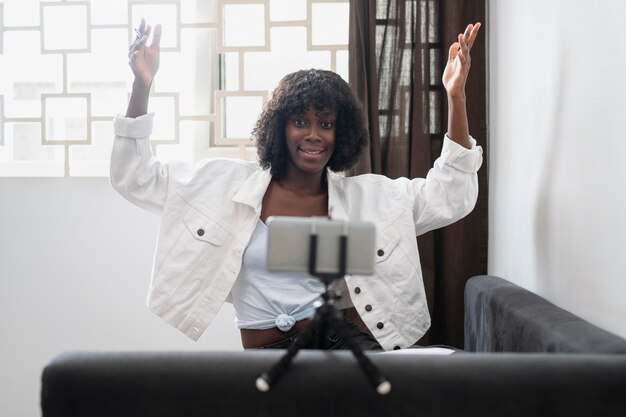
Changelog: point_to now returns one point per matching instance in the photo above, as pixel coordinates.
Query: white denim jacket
(210, 210)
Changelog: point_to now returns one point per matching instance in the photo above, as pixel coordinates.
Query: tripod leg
(321, 327)
(265, 381)
(378, 381)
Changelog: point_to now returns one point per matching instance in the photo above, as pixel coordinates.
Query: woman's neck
(295, 197)
(304, 184)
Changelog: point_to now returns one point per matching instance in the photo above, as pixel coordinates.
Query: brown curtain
(398, 49)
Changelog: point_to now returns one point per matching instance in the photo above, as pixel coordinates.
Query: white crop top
(264, 299)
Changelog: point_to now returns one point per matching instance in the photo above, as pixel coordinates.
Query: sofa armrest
(503, 317)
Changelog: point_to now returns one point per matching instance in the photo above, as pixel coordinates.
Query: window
(65, 75)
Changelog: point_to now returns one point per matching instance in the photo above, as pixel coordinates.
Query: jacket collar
(336, 208)
(253, 189)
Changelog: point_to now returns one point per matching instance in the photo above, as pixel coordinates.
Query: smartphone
(289, 242)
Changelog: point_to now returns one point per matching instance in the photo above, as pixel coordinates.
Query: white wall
(75, 261)
(558, 146)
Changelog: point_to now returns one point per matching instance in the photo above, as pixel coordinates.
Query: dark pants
(332, 341)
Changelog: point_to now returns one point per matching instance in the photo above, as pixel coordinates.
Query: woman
(212, 243)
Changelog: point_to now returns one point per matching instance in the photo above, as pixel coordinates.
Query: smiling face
(310, 138)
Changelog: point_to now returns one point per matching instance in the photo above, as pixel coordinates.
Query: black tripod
(326, 316)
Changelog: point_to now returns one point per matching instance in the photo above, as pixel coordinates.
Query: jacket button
(380, 252)
(200, 232)
(368, 308)
(380, 325)
(357, 290)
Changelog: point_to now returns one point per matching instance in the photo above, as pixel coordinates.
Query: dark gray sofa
(502, 317)
(526, 381)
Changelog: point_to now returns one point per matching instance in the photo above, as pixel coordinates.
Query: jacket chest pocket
(386, 243)
(203, 228)
(197, 251)
(200, 241)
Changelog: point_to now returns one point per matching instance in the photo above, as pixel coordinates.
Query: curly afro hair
(321, 90)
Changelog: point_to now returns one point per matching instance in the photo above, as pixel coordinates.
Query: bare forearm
(458, 129)
(139, 97)
(454, 79)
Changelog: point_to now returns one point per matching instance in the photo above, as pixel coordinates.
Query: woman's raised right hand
(144, 59)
